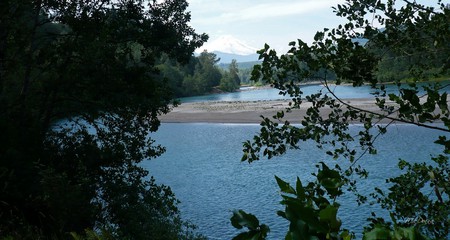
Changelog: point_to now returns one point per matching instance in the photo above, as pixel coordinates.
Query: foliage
(231, 80)
(418, 199)
(79, 96)
(200, 76)
(421, 208)
(310, 213)
(227, 83)
(234, 72)
(244, 70)
(241, 219)
(207, 74)
(91, 235)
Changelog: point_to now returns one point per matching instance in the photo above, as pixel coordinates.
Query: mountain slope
(228, 47)
(227, 57)
(228, 44)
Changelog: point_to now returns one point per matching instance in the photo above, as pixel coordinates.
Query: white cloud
(216, 13)
(276, 22)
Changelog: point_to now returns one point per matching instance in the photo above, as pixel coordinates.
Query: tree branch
(383, 116)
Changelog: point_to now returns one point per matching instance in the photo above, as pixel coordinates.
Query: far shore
(246, 111)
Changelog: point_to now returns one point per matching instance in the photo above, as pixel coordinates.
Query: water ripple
(202, 167)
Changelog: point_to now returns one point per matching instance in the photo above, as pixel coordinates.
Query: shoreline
(247, 111)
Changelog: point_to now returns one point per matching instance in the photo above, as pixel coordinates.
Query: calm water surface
(342, 91)
(202, 166)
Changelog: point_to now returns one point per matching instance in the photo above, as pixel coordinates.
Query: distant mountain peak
(228, 44)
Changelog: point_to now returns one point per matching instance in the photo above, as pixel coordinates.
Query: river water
(342, 91)
(202, 166)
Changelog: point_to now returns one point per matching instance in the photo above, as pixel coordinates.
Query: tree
(207, 72)
(79, 96)
(414, 31)
(172, 73)
(230, 80)
(198, 76)
(228, 83)
(234, 72)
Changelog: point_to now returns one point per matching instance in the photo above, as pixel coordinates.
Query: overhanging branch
(383, 116)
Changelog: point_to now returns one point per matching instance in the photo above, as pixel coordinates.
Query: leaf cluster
(415, 37)
(312, 214)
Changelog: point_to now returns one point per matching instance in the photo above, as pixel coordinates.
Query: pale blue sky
(276, 22)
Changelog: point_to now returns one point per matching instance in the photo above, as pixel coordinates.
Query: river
(267, 93)
(202, 166)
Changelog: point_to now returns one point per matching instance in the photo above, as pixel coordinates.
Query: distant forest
(204, 74)
(200, 76)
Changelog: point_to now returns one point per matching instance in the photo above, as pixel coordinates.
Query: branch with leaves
(406, 30)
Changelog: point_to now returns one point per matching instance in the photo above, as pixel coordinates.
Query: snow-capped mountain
(228, 57)
(227, 47)
(228, 44)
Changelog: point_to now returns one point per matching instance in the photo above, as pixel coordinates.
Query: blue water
(341, 91)
(202, 166)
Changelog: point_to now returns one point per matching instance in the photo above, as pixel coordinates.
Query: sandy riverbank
(245, 111)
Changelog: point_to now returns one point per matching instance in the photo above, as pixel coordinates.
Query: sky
(275, 22)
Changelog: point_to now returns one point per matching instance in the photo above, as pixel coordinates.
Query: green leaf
(281, 214)
(408, 233)
(345, 235)
(411, 96)
(394, 97)
(379, 232)
(280, 115)
(446, 143)
(245, 236)
(329, 214)
(425, 117)
(300, 190)
(284, 186)
(242, 219)
(330, 179)
(443, 105)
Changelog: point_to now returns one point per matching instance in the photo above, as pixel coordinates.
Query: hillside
(241, 65)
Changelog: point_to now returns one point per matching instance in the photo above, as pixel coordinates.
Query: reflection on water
(202, 166)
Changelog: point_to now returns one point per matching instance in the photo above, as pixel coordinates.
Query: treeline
(395, 67)
(401, 63)
(201, 75)
(245, 71)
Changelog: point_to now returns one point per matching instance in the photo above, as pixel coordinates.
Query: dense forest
(397, 66)
(201, 75)
(80, 92)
